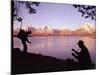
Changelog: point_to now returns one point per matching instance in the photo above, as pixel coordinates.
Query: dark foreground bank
(37, 63)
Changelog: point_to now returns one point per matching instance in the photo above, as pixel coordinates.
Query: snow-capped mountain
(65, 31)
(46, 30)
(85, 29)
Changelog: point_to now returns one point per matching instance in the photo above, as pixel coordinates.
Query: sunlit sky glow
(54, 15)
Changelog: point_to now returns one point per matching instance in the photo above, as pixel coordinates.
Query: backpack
(21, 34)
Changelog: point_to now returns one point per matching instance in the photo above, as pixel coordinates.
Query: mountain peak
(88, 27)
(46, 29)
(85, 29)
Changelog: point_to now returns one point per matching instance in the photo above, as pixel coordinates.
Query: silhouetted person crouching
(23, 35)
(83, 56)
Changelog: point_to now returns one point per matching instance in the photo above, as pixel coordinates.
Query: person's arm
(28, 41)
(27, 38)
(75, 52)
(75, 56)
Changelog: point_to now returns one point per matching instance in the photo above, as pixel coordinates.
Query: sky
(54, 15)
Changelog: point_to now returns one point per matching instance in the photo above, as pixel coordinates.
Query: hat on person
(80, 42)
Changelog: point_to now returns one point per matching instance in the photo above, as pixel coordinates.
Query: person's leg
(24, 46)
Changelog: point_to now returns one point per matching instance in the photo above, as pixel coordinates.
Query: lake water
(58, 46)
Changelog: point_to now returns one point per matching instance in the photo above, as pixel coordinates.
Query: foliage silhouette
(16, 9)
(86, 11)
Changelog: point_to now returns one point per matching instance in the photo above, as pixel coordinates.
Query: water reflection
(58, 46)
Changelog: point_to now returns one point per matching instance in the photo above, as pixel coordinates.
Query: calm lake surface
(58, 46)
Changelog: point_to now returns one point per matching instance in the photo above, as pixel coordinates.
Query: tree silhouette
(16, 9)
(86, 11)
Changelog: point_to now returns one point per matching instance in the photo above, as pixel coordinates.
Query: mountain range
(85, 29)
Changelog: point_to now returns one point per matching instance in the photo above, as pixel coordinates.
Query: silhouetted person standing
(83, 56)
(23, 35)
